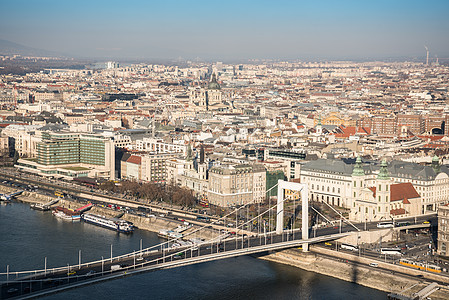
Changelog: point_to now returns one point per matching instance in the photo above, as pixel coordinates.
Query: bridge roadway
(40, 282)
(50, 281)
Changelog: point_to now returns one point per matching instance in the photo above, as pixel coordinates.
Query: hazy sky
(229, 29)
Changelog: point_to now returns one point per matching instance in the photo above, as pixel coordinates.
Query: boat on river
(110, 223)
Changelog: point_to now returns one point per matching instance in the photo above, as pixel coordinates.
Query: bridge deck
(42, 283)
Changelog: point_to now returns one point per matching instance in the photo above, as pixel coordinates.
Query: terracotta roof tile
(399, 211)
(134, 160)
(402, 191)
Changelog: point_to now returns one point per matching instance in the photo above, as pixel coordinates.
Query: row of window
(323, 188)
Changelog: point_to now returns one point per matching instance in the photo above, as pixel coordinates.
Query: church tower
(319, 127)
(383, 186)
(358, 176)
(189, 158)
(202, 165)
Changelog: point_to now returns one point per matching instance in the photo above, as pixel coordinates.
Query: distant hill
(9, 48)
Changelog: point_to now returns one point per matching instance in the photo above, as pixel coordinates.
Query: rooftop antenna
(427, 59)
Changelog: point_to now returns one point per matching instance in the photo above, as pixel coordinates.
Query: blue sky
(230, 29)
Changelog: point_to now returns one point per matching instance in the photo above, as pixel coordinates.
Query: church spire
(383, 173)
(358, 168)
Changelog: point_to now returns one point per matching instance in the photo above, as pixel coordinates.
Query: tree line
(148, 192)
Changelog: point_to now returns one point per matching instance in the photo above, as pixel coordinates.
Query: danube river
(28, 236)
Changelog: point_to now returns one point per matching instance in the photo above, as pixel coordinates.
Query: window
(380, 187)
(355, 183)
(379, 198)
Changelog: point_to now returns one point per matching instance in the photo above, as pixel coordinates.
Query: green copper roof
(383, 173)
(436, 164)
(358, 169)
(213, 84)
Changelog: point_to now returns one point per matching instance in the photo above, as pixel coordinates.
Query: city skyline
(231, 30)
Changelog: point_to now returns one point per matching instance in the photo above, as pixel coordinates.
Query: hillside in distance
(11, 48)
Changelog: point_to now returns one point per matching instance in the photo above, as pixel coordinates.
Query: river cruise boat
(110, 223)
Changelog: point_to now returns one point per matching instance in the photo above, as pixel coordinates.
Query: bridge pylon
(302, 188)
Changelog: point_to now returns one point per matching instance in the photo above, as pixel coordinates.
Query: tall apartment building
(291, 158)
(443, 230)
(384, 125)
(414, 123)
(146, 167)
(231, 185)
(402, 123)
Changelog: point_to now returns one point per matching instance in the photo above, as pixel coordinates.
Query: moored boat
(110, 223)
(66, 214)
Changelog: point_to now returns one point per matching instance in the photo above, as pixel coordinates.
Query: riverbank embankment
(154, 223)
(385, 277)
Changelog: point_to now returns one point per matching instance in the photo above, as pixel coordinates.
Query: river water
(28, 236)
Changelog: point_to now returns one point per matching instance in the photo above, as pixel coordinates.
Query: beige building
(443, 231)
(24, 138)
(154, 166)
(4, 146)
(231, 185)
(151, 167)
(74, 118)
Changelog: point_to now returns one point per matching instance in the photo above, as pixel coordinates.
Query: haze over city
(224, 149)
(230, 30)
